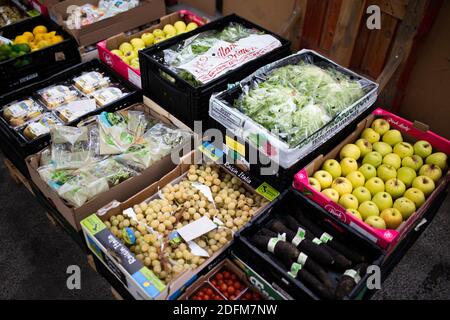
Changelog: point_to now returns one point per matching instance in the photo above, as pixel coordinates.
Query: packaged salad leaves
(157, 143)
(120, 130)
(73, 147)
(89, 181)
(210, 54)
(295, 101)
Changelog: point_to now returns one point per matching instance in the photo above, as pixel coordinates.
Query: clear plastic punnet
(292, 106)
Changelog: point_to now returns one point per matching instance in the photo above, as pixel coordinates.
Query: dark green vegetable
(333, 243)
(349, 280)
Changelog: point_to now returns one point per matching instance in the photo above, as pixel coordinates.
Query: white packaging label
(205, 190)
(299, 236)
(295, 268)
(196, 250)
(225, 56)
(302, 258)
(134, 78)
(19, 109)
(353, 274)
(272, 243)
(196, 229)
(325, 237)
(75, 109)
(38, 129)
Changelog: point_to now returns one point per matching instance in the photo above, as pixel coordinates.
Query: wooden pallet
(17, 175)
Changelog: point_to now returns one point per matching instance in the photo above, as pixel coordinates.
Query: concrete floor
(35, 255)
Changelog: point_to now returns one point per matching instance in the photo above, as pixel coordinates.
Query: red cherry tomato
(230, 290)
(223, 287)
(233, 277)
(226, 274)
(219, 276)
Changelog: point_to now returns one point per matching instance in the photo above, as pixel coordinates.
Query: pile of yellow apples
(128, 51)
(381, 179)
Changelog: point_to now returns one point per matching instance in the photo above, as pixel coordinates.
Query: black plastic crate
(24, 9)
(179, 97)
(39, 64)
(17, 148)
(274, 271)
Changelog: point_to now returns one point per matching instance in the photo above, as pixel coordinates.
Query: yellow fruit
(191, 26)
(137, 43)
(117, 52)
(38, 37)
(21, 39)
(180, 26)
(148, 39)
(158, 33)
(159, 39)
(39, 29)
(43, 43)
(56, 39)
(169, 30)
(29, 35)
(125, 47)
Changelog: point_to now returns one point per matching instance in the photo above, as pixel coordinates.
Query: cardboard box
(115, 62)
(386, 239)
(223, 265)
(104, 245)
(100, 30)
(119, 192)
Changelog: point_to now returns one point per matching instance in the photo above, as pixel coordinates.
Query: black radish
(340, 261)
(333, 243)
(349, 280)
(318, 253)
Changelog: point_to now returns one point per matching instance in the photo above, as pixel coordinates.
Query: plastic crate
(386, 239)
(115, 62)
(17, 148)
(180, 98)
(39, 64)
(274, 272)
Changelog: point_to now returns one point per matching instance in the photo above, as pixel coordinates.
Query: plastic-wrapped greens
(206, 56)
(294, 101)
(73, 147)
(89, 181)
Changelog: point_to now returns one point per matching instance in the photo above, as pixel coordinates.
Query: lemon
(158, 33)
(21, 39)
(29, 35)
(169, 30)
(43, 43)
(180, 26)
(56, 39)
(38, 37)
(39, 29)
